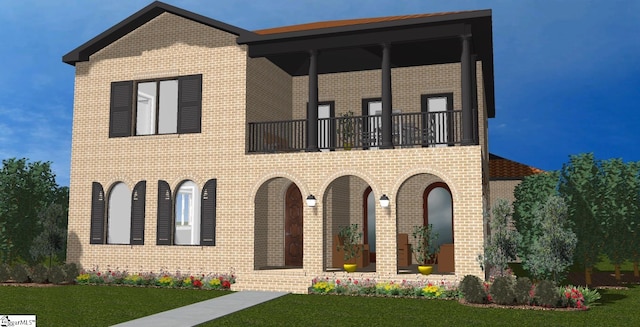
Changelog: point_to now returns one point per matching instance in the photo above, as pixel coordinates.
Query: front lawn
(616, 308)
(81, 305)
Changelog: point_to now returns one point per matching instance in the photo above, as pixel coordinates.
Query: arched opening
(187, 214)
(424, 199)
(278, 225)
(119, 217)
(348, 200)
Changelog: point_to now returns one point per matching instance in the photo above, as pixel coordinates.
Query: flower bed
(371, 287)
(161, 279)
(507, 292)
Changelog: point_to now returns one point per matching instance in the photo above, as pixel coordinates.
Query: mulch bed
(604, 279)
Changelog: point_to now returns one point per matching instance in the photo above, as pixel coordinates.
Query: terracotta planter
(350, 267)
(425, 270)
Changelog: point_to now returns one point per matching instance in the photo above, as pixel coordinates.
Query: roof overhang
(426, 40)
(136, 20)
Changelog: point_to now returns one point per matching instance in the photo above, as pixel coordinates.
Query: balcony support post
(312, 105)
(387, 124)
(467, 93)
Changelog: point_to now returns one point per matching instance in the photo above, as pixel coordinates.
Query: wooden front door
(293, 227)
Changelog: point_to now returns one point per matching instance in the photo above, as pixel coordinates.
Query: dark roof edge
(254, 37)
(136, 20)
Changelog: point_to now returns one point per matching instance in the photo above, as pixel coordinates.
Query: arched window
(438, 211)
(119, 217)
(187, 214)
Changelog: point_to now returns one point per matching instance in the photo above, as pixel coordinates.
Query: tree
(25, 190)
(51, 241)
(634, 223)
(616, 208)
(502, 244)
(552, 250)
(533, 191)
(579, 184)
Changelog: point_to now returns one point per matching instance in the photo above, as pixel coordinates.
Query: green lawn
(616, 308)
(81, 305)
(107, 305)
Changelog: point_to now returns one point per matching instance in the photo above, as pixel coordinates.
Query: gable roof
(136, 20)
(505, 169)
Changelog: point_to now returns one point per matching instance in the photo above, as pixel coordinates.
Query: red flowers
(226, 284)
(197, 283)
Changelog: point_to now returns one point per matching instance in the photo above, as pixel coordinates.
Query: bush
(547, 294)
(71, 271)
(19, 273)
(590, 295)
(5, 273)
(522, 291)
(56, 274)
(472, 289)
(39, 273)
(502, 291)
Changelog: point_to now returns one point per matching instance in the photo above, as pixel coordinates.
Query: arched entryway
(425, 199)
(345, 202)
(293, 227)
(278, 225)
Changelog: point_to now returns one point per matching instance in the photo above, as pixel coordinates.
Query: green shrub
(39, 273)
(19, 273)
(56, 274)
(472, 289)
(5, 273)
(546, 294)
(71, 271)
(522, 290)
(590, 295)
(502, 291)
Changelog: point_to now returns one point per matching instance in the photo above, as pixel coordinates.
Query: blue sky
(567, 73)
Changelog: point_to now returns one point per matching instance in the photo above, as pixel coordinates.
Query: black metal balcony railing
(443, 128)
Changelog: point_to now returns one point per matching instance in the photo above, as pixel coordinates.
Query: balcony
(423, 129)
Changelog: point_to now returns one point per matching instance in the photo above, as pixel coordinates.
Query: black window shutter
(97, 214)
(165, 214)
(208, 214)
(138, 197)
(121, 107)
(189, 104)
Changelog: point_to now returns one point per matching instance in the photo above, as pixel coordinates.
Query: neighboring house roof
(505, 169)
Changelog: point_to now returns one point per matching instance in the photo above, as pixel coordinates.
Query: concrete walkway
(201, 312)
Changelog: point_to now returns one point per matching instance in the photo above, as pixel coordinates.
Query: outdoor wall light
(311, 201)
(384, 201)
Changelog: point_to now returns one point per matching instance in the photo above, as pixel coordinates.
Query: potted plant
(426, 248)
(350, 237)
(347, 129)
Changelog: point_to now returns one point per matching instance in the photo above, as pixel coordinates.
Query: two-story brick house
(196, 143)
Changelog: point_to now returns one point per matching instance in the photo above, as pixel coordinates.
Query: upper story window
(164, 106)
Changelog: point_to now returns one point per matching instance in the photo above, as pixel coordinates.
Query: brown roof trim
(353, 25)
(346, 22)
(505, 169)
(136, 20)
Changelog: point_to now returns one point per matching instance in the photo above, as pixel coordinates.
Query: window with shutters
(122, 218)
(161, 106)
(188, 215)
